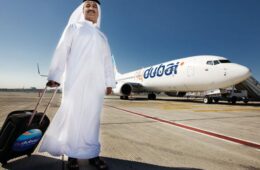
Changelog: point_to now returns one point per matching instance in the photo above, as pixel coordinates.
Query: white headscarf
(78, 15)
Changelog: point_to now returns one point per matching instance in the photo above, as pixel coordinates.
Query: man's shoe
(73, 164)
(98, 163)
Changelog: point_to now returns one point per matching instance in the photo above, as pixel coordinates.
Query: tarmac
(162, 134)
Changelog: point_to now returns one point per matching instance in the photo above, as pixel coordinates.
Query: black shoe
(98, 163)
(73, 164)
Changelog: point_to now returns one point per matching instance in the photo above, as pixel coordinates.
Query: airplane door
(139, 75)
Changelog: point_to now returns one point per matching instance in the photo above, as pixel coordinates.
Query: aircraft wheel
(124, 97)
(151, 96)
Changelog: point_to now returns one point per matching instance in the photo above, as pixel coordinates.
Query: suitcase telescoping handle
(39, 102)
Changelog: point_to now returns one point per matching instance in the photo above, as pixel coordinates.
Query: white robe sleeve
(60, 56)
(109, 70)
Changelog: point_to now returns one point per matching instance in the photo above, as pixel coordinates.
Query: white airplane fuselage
(191, 74)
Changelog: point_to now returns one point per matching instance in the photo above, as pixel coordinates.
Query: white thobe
(83, 57)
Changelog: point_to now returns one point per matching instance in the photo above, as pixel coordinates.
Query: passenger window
(209, 62)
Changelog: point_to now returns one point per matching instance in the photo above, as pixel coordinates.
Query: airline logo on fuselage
(159, 71)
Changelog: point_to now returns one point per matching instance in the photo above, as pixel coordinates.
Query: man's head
(90, 10)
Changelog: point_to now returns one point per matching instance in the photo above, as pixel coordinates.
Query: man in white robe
(82, 63)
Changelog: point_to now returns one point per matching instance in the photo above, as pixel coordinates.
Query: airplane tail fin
(117, 74)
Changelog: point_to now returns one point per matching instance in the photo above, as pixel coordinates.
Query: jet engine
(125, 89)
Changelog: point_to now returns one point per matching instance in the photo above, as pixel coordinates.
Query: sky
(141, 33)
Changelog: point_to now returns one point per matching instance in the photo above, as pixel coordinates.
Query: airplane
(177, 77)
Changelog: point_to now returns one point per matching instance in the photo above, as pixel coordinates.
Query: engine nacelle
(126, 89)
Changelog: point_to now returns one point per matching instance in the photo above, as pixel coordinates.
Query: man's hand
(52, 83)
(109, 91)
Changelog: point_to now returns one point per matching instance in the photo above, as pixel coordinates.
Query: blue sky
(141, 33)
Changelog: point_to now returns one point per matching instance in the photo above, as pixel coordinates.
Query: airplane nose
(240, 73)
(245, 72)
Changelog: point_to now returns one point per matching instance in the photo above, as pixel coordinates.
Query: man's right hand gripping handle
(52, 83)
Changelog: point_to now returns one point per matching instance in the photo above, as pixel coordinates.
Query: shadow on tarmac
(38, 162)
(188, 100)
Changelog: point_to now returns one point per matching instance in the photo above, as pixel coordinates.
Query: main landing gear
(124, 97)
(151, 96)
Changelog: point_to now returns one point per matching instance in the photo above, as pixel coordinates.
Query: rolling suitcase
(22, 131)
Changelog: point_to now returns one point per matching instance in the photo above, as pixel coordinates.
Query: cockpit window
(216, 62)
(224, 61)
(210, 63)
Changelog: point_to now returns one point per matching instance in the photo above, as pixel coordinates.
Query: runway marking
(201, 131)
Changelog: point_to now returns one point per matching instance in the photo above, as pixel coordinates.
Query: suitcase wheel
(4, 163)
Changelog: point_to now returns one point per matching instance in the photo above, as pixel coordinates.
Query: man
(83, 57)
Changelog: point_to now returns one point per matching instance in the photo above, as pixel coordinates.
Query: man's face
(90, 11)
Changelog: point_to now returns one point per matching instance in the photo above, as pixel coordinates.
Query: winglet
(38, 68)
